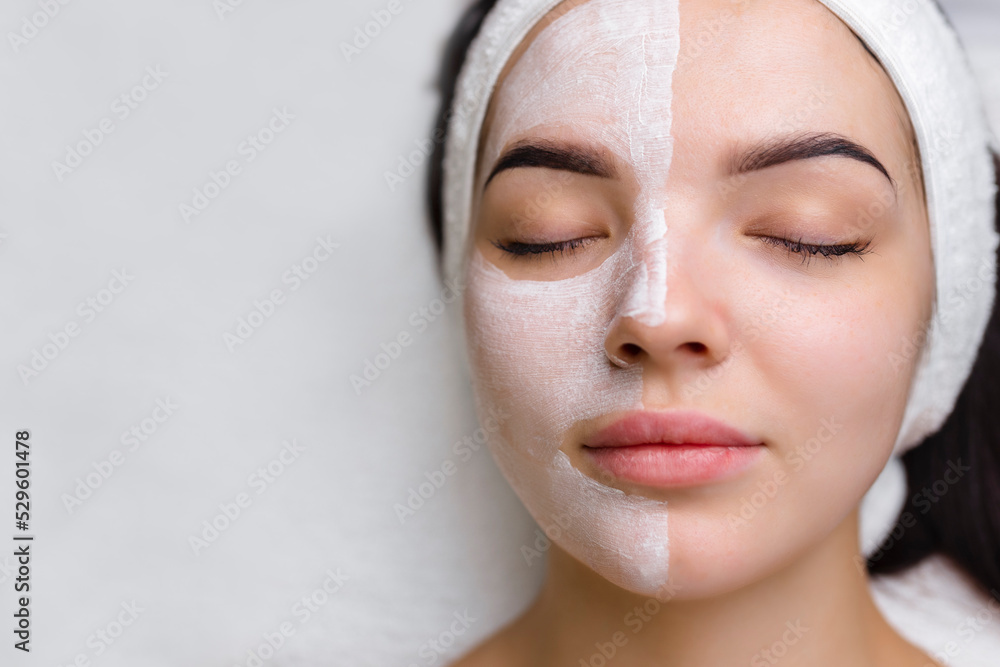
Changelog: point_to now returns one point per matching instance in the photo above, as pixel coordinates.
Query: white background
(162, 336)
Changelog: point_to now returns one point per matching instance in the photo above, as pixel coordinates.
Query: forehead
(746, 69)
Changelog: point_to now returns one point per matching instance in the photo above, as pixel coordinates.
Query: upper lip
(686, 427)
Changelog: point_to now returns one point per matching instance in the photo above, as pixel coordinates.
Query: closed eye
(806, 250)
(519, 249)
(810, 250)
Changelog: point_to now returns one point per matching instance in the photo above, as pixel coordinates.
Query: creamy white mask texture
(602, 71)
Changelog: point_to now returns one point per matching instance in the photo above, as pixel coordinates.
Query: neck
(815, 611)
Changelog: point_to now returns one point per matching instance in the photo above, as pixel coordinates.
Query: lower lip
(673, 465)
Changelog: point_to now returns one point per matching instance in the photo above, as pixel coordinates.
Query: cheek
(537, 355)
(838, 365)
(825, 368)
(537, 351)
(844, 351)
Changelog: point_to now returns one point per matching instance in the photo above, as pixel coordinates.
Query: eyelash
(807, 250)
(519, 249)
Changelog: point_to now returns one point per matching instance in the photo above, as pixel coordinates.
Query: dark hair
(454, 56)
(963, 520)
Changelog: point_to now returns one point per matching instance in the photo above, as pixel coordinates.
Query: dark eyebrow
(550, 155)
(804, 147)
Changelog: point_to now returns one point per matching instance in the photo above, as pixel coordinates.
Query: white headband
(922, 55)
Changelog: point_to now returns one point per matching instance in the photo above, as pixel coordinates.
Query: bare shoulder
(509, 646)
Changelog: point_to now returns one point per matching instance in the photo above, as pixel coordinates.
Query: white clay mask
(603, 71)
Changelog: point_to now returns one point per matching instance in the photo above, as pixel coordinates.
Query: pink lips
(671, 449)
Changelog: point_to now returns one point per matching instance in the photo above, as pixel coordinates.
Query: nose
(690, 333)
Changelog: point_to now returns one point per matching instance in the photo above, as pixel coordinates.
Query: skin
(780, 348)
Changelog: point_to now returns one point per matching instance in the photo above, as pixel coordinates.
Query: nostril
(631, 349)
(697, 347)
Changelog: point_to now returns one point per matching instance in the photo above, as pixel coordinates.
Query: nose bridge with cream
(603, 71)
(602, 74)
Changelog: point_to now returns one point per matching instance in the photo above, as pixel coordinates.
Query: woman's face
(660, 175)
